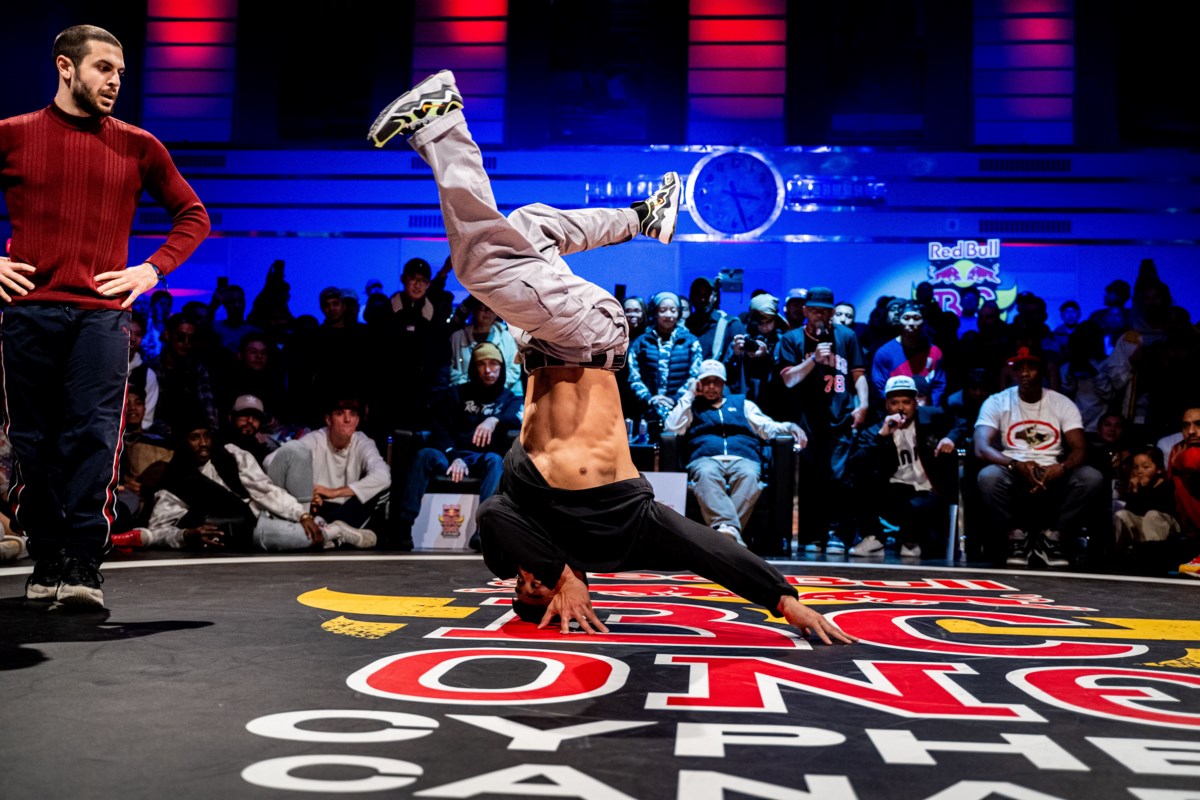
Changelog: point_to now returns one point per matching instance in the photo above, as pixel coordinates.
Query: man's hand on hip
(13, 278)
(132, 280)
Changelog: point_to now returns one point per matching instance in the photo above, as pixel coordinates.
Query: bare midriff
(574, 430)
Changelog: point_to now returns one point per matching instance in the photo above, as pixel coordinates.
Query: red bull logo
(964, 272)
(971, 264)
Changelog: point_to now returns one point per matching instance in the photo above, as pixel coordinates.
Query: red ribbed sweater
(72, 186)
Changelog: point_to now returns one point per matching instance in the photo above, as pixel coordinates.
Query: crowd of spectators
(1081, 442)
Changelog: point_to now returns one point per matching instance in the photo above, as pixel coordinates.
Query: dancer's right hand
(572, 601)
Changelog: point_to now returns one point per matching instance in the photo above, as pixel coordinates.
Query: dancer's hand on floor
(812, 622)
(572, 601)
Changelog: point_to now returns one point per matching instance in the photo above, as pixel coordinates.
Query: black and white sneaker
(1018, 552)
(433, 97)
(1049, 550)
(43, 583)
(659, 212)
(80, 585)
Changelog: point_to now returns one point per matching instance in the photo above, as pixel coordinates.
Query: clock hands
(732, 191)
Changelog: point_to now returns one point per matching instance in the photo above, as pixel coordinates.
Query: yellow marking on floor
(360, 629)
(1169, 630)
(1190, 660)
(383, 605)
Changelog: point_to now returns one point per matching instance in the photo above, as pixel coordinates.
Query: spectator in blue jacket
(722, 440)
(662, 360)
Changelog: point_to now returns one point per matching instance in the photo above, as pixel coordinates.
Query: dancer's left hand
(134, 280)
(812, 622)
(572, 601)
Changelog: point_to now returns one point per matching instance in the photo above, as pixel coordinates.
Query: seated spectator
(1036, 485)
(257, 370)
(1069, 313)
(1114, 318)
(484, 327)
(246, 421)
(469, 437)
(905, 469)
(1149, 502)
(969, 300)
(1183, 467)
(911, 353)
(662, 360)
(214, 498)
(144, 458)
(336, 468)
(966, 402)
(1108, 446)
(722, 442)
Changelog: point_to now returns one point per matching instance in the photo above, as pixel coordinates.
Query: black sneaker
(80, 584)
(659, 212)
(1050, 551)
(43, 583)
(433, 97)
(1018, 552)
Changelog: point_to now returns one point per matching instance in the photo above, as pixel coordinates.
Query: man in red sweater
(72, 176)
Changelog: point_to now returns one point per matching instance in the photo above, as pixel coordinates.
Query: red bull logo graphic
(953, 268)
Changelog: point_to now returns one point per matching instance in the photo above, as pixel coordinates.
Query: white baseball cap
(899, 383)
(711, 368)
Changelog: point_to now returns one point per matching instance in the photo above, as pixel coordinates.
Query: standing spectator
(968, 300)
(257, 371)
(793, 308)
(750, 362)
(662, 361)
(911, 353)
(468, 438)
(229, 331)
(1135, 349)
(1069, 314)
(821, 367)
(72, 177)
(1114, 318)
(184, 383)
(635, 316)
(707, 322)
(1035, 480)
(905, 469)
(1082, 379)
(990, 345)
(161, 303)
(484, 327)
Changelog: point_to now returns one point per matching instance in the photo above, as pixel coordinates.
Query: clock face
(735, 193)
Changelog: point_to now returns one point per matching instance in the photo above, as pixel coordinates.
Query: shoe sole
(1053, 562)
(35, 591)
(664, 217)
(80, 596)
(411, 110)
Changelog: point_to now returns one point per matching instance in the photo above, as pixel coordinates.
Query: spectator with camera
(707, 322)
(750, 359)
(722, 443)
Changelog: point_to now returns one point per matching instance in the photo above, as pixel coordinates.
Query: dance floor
(348, 674)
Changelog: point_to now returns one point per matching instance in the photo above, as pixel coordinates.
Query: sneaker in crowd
(134, 539)
(834, 546)
(12, 548)
(814, 548)
(80, 585)
(433, 97)
(868, 546)
(1191, 568)
(1018, 551)
(347, 536)
(1050, 551)
(43, 583)
(910, 551)
(659, 212)
(731, 532)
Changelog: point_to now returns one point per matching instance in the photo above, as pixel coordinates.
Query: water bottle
(629, 429)
(643, 433)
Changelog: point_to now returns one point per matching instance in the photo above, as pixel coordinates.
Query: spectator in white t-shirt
(1035, 485)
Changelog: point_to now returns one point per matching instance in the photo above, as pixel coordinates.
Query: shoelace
(82, 572)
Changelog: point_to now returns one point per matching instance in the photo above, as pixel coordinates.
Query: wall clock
(735, 194)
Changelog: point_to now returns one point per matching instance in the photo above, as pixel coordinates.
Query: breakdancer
(571, 499)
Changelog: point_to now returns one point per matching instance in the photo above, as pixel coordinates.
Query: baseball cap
(796, 294)
(898, 384)
(711, 368)
(820, 297)
(1024, 354)
(249, 402)
(416, 266)
(765, 304)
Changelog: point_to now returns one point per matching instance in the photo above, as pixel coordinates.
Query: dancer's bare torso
(574, 429)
